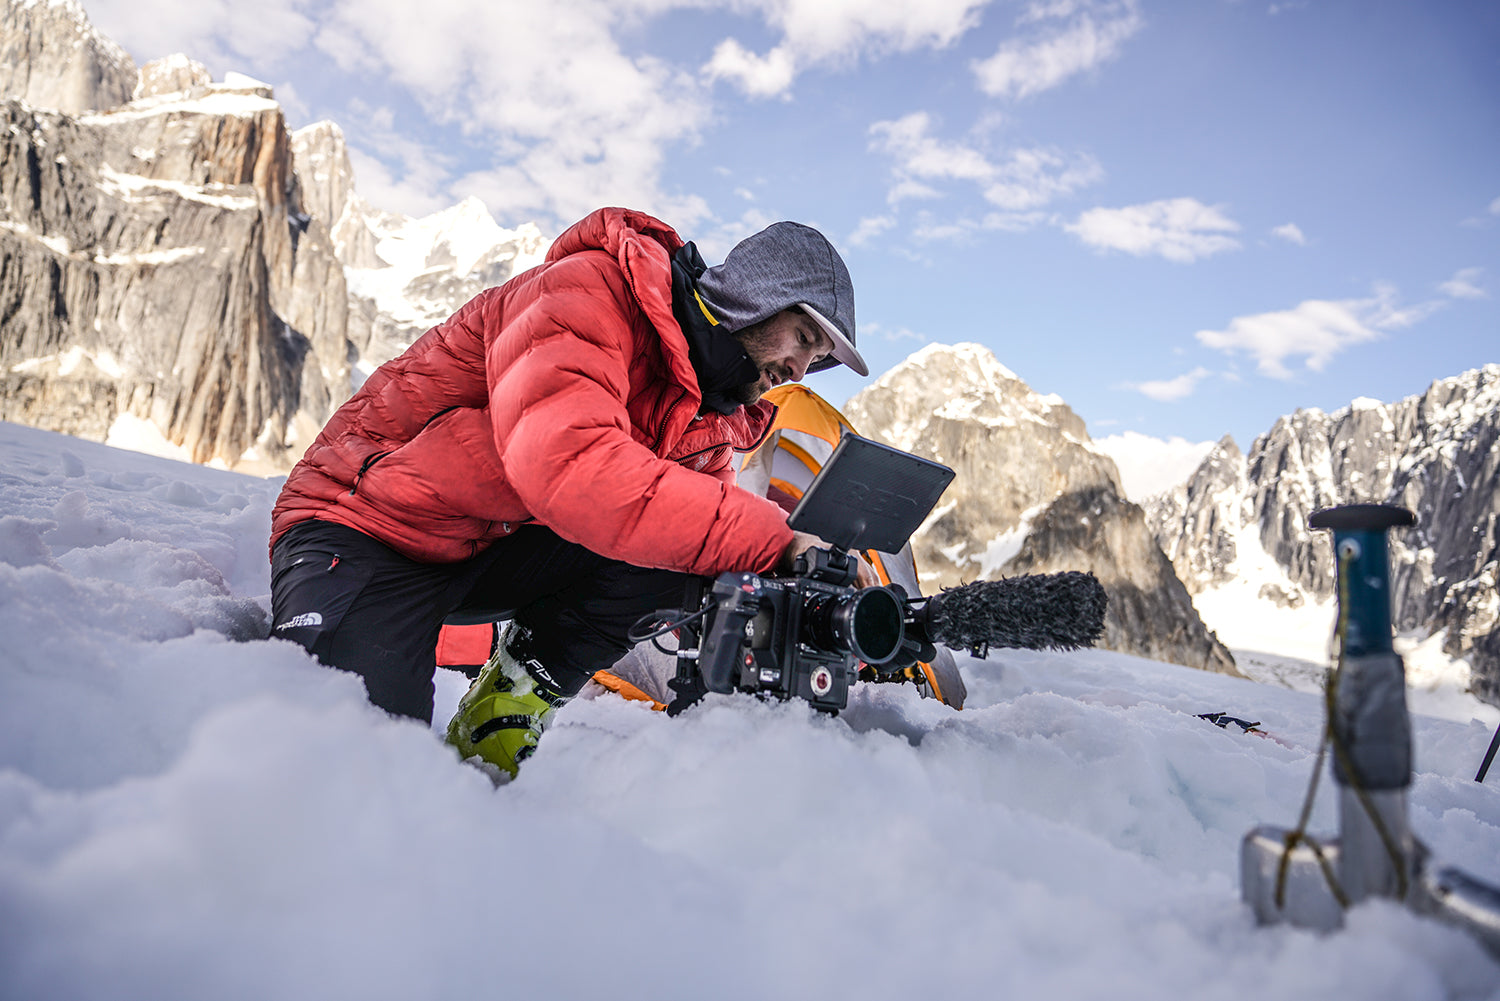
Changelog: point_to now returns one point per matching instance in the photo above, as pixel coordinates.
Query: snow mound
(190, 811)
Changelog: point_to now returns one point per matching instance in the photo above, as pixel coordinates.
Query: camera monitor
(870, 496)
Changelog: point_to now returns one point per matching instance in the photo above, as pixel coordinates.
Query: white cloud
(1149, 466)
(1179, 229)
(714, 243)
(770, 75)
(1465, 285)
(1013, 222)
(869, 228)
(905, 189)
(1032, 178)
(1316, 330)
(412, 191)
(1291, 233)
(1016, 182)
(877, 330)
(1495, 207)
(1060, 40)
(570, 118)
(836, 32)
(1171, 390)
(930, 230)
(221, 34)
(574, 121)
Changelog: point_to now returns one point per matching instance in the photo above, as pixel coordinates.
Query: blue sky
(1184, 218)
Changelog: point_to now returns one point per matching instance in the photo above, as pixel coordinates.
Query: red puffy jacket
(563, 397)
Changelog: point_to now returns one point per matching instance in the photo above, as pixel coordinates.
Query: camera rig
(809, 635)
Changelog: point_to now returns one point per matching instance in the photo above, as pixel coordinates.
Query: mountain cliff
(51, 57)
(1436, 453)
(170, 253)
(1032, 495)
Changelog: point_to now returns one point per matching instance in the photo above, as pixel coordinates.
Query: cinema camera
(808, 635)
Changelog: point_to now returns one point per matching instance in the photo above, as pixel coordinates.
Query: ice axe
(1291, 876)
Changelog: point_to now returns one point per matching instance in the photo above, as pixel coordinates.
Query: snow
(1150, 466)
(453, 241)
(216, 103)
(136, 434)
(150, 258)
(189, 811)
(131, 186)
(72, 362)
(1292, 646)
(57, 244)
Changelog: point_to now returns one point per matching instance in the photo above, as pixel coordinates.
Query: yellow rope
(1331, 736)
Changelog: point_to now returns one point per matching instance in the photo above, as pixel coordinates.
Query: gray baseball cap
(786, 265)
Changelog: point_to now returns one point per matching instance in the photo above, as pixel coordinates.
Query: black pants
(359, 605)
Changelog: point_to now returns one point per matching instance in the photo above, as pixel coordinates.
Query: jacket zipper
(726, 444)
(363, 468)
(661, 431)
(701, 451)
(445, 410)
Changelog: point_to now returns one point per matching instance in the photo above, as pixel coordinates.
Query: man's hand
(802, 542)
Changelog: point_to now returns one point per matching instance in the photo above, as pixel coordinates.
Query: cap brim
(843, 348)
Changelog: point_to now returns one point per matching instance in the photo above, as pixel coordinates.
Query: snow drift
(187, 811)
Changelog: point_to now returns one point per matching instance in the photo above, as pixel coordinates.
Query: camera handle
(736, 598)
(834, 565)
(688, 683)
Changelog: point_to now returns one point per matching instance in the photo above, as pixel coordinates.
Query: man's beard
(746, 393)
(754, 340)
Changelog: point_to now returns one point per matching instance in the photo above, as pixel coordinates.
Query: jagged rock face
(1014, 451)
(1151, 613)
(173, 75)
(1437, 454)
(97, 261)
(157, 240)
(1031, 494)
(182, 259)
(327, 184)
(51, 57)
(1210, 508)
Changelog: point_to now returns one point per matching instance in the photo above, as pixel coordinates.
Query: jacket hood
(643, 246)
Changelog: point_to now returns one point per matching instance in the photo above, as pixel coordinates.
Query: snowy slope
(187, 816)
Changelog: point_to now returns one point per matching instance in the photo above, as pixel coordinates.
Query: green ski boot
(502, 715)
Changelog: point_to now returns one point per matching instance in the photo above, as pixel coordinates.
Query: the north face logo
(305, 619)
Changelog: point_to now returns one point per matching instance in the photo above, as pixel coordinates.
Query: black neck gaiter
(717, 356)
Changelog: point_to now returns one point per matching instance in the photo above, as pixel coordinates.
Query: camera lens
(866, 623)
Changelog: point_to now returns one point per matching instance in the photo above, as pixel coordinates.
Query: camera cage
(867, 496)
(870, 496)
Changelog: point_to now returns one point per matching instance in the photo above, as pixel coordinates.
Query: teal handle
(1362, 557)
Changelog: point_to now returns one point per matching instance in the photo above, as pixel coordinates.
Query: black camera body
(808, 635)
(803, 636)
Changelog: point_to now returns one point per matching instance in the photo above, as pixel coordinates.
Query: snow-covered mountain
(1237, 530)
(404, 275)
(177, 266)
(1033, 494)
(190, 812)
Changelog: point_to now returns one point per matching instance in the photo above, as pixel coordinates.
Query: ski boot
(502, 715)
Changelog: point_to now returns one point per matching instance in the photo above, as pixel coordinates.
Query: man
(560, 446)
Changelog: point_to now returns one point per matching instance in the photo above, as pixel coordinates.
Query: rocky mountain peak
(174, 74)
(178, 264)
(52, 57)
(1031, 494)
(326, 176)
(963, 382)
(1436, 453)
